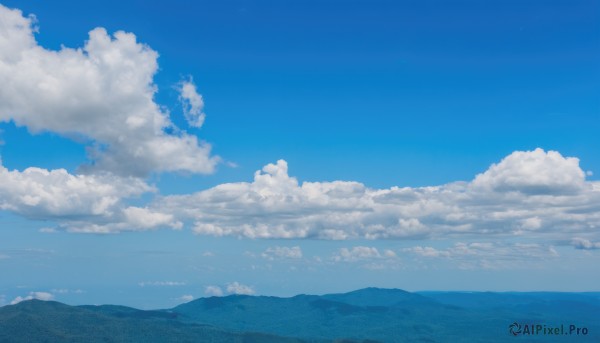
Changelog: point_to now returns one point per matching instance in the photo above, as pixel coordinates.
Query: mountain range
(366, 315)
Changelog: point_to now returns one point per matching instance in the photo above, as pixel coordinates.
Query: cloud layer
(101, 94)
(527, 193)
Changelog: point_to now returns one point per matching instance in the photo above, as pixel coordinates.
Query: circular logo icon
(514, 328)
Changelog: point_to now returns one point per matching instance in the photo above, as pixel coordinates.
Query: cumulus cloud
(83, 203)
(533, 172)
(80, 203)
(273, 253)
(527, 192)
(213, 291)
(193, 104)
(45, 296)
(101, 94)
(584, 244)
(42, 193)
(240, 289)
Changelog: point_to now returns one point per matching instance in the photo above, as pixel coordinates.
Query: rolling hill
(366, 315)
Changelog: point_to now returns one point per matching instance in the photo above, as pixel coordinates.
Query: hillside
(366, 315)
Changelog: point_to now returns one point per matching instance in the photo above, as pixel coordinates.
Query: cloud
(533, 172)
(277, 252)
(489, 255)
(67, 291)
(42, 193)
(48, 230)
(238, 288)
(584, 244)
(528, 192)
(101, 94)
(80, 203)
(161, 283)
(192, 103)
(362, 253)
(213, 291)
(186, 298)
(45, 296)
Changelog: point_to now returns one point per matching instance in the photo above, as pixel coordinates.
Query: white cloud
(192, 103)
(527, 192)
(102, 94)
(238, 288)
(356, 254)
(41, 193)
(533, 172)
(45, 296)
(67, 291)
(213, 291)
(161, 283)
(427, 251)
(186, 298)
(488, 254)
(80, 203)
(277, 252)
(584, 244)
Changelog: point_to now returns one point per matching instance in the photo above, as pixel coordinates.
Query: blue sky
(421, 145)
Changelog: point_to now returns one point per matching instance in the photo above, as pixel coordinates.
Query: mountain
(378, 314)
(379, 297)
(368, 315)
(48, 321)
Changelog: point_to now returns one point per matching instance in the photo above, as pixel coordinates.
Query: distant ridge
(365, 315)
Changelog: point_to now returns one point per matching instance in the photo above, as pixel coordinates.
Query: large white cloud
(101, 93)
(85, 203)
(528, 192)
(534, 172)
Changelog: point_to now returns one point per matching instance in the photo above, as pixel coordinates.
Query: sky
(155, 152)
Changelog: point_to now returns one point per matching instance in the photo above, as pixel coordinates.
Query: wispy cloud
(186, 298)
(274, 253)
(192, 102)
(161, 283)
(213, 291)
(33, 295)
(489, 255)
(238, 288)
